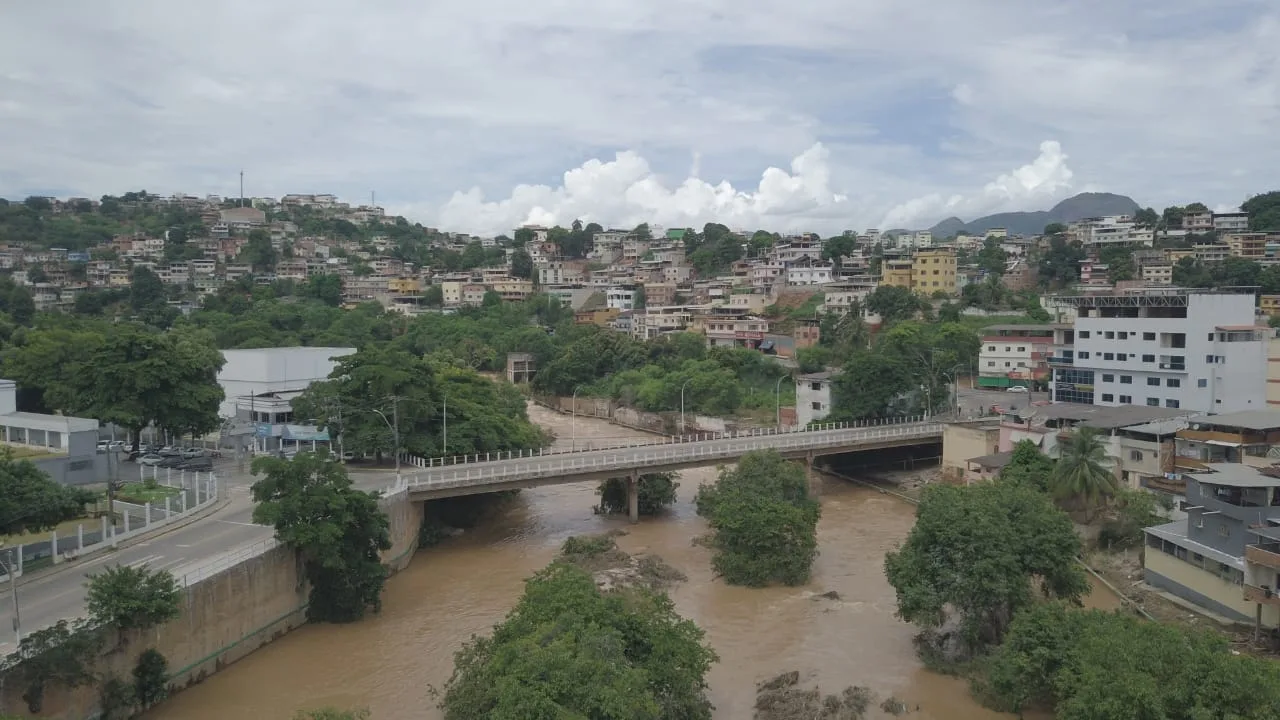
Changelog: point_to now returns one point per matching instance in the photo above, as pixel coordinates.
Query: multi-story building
(1198, 222)
(1111, 230)
(1157, 274)
(1247, 245)
(934, 271)
(732, 328)
(512, 290)
(621, 297)
(659, 294)
(1175, 348)
(896, 273)
(1251, 437)
(1015, 355)
(809, 273)
(813, 397)
(1225, 556)
(1234, 222)
(654, 322)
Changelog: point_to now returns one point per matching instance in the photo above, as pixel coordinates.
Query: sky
(788, 115)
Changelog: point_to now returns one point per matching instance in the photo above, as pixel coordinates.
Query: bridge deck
(492, 476)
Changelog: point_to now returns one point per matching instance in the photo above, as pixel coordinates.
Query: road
(47, 598)
(973, 401)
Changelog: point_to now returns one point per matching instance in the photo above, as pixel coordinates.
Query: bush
(588, 546)
(656, 491)
(59, 655)
(764, 524)
(132, 597)
(150, 678)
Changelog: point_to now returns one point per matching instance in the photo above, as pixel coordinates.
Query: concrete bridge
(510, 471)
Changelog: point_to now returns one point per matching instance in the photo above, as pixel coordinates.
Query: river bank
(390, 662)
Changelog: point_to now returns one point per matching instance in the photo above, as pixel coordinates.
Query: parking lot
(973, 401)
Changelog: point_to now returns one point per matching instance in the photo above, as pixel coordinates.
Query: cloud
(1043, 180)
(415, 100)
(625, 192)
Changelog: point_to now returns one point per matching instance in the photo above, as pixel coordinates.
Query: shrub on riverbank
(1087, 665)
(570, 649)
(764, 524)
(656, 492)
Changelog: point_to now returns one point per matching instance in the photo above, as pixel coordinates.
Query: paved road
(45, 599)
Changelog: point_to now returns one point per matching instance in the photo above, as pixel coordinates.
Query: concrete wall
(962, 441)
(1197, 586)
(224, 618)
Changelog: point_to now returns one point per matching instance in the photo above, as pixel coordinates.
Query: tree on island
(656, 491)
(571, 650)
(763, 521)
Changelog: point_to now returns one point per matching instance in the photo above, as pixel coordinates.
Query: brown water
(389, 663)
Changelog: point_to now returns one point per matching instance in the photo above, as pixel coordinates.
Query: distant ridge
(1072, 209)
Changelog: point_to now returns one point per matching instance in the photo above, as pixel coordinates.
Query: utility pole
(11, 570)
(241, 188)
(395, 430)
(444, 414)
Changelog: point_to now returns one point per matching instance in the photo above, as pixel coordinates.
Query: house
(1016, 355)
(813, 396)
(64, 447)
(1224, 556)
(966, 442)
(242, 219)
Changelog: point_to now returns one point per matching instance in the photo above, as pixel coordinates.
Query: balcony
(1266, 596)
(1060, 360)
(1264, 554)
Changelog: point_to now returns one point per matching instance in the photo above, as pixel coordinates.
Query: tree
(433, 296)
(30, 501)
(992, 258)
(131, 598)
(521, 264)
(763, 521)
(837, 248)
(326, 287)
(22, 307)
(150, 678)
(569, 650)
(145, 289)
(61, 654)
(1060, 264)
(258, 251)
(1028, 467)
(975, 553)
(491, 299)
(871, 385)
(656, 491)
(1264, 211)
(638, 298)
(1083, 472)
(337, 530)
(1055, 228)
(523, 236)
(1146, 218)
(894, 304)
(1171, 218)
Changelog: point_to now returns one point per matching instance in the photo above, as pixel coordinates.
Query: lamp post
(393, 424)
(682, 387)
(777, 403)
(10, 569)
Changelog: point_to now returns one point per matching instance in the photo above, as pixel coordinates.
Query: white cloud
(626, 192)
(1032, 186)
(929, 101)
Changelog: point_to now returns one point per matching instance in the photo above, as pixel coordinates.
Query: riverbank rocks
(613, 569)
(783, 698)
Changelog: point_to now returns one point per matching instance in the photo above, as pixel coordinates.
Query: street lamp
(394, 426)
(10, 569)
(682, 386)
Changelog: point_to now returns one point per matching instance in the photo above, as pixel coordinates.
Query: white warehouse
(271, 376)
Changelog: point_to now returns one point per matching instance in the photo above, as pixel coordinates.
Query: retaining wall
(225, 616)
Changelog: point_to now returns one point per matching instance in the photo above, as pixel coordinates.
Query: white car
(151, 459)
(1016, 389)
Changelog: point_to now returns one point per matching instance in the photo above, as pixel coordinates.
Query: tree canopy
(763, 521)
(132, 597)
(569, 650)
(31, 501)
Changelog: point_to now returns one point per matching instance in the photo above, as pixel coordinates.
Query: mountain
(1072, 209)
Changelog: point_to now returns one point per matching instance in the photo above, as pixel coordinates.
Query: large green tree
(337, 530)
(894, 304)
(976, 553)
(30, 501)
(131, 598)
(763, 521)
(569, 650)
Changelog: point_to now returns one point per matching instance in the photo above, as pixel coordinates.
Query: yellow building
(404, 286)
(896, 273)
(934, 270)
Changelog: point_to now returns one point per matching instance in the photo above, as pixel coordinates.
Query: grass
(64, 529)
(21, 452)
(977, 323)
(142, 493)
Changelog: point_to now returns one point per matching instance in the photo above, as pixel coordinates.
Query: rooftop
(1159, 427)
(1106, 417)
(1235, 475)
(1176, 533)
(1042, 328)
(994, 461)
(1247, 419)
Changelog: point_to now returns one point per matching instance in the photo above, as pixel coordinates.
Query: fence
(184, 493)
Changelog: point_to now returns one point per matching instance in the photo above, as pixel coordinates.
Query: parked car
(200, 464)
(151, 459)
(170, 461)
(192, 452)
(170, 451)
(1016, 389)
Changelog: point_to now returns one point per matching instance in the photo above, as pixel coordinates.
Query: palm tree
(1083, 470)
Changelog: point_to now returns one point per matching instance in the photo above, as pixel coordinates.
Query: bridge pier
(812, 476)
(633, 496)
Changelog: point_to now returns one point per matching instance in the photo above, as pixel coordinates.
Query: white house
(813, 397)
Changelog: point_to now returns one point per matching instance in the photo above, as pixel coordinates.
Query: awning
(304, 433)
(1223, 443)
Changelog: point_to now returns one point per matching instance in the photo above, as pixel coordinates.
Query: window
(1006, 348)
(991, 348)
(1171, 403)
(1083, 354)
(1108, 378)
(1122, 335)
(1173, 382)
(1210, 337)
(1153, 381)
(1153, 402)
(1135, 455)
(1148, 336)
(991, 363)
(1202, 383)
(1148, 358)
(1108, 356)
(1109, 335)
(1126, 379)
(1084, 334)
(1022, 348)
(1108, 397)
(815, 386)
(817, 406)
(1208, 359)
(1126, 399)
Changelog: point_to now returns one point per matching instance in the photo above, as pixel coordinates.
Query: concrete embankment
(258, 597)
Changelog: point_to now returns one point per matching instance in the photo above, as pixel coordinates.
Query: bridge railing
(729, 446)
(586, 445)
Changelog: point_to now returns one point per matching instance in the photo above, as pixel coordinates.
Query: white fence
(673, 451)
(226, 561)
(187, 493)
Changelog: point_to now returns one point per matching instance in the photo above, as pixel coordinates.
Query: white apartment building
(620, 298)
(1160, 274)
(1164, 347)
(809, 274)
(813, 397)
(1232, 222)
(909, 241)
(1111, 230)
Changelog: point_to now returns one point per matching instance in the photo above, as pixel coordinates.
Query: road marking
(182, 546)
(233, 522)
(144, 561)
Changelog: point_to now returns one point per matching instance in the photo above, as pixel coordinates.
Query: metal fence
(227, 561)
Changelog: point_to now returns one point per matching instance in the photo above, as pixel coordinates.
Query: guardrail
(227, 561)
(727, 445)
(587, 444)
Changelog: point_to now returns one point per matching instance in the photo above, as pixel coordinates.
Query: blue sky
(794, 115)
